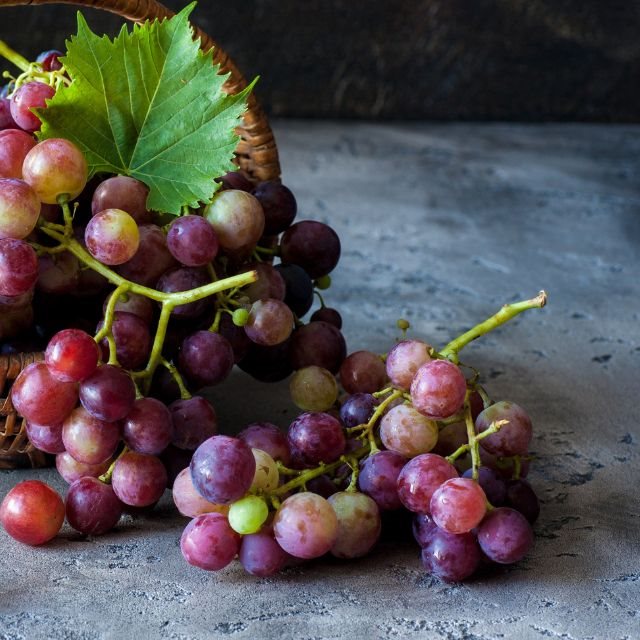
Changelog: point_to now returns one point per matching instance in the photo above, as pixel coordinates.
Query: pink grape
(19, 208)
(306, 526)
(188, 501)
(88, 439)
(55, 168)
(41, 398)
(122, 192)
(112, 237)
(28, 96)
(32, 512)
(92, 507)
(208, 542)
(404, 360)
(420, 477)
(438, 389)
(363, 372)
(139, 480)
(270, 322)
(513, 437)
(72, 470)
(18, 267)
(46, 438)
(14, 146)
(458, 505)
(72, 355)
(408, 432)
(359, 524)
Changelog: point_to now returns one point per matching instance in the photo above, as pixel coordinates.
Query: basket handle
(257, 153)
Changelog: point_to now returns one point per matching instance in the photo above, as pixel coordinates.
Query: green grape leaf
(148, 104)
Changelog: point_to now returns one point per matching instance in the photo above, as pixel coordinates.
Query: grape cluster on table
(121, 419)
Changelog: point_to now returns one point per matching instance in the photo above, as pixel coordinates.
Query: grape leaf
(148, 104)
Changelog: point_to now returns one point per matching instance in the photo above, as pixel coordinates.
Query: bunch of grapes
(136, 310)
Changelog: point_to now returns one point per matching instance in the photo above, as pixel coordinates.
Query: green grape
(313, 389)
(240, 317)
(248, 514)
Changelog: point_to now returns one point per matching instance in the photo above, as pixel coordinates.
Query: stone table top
(440, 224)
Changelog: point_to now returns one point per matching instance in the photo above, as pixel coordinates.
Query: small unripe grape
(248, 514)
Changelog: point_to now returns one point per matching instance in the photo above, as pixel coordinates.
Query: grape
(32, 512)
(505, 536)
(112, 236)
(14, 146)
(270, 322)
(40, 398)
(378, 478)
(45, 438)
(279, 206)
(133, 303)
(522, 498)
(50, 60)
(327, 314)
(6, 119)
(208, 542)
(476, 404)
(71, 355)
(72, 470)
(175, 461)
(268, 364)
(248, 514)
(358, 524)
(408, 432)
(458, 505)
(420, 477)
(268, 438)
(58, 273)
(357, 409)
(424, 528)
(92, 507)
(363, 372)
(194, 421)
(316, 437)
(306, 526)
(438, 389)
(298, 288)
(235, 180)
(266, 477)
(404, 360)
(88, 439)
(55, 168)
(451, 437)
(18, 267)
(236, 336)
(151, 260)
(513, 437)
(30, 95)
(206, 358)
(237, 219)
(492, 484)
(270, 284)
(132, 338)
(184, 279)
(314, 246)
(313, 389)
(19, 209)
(451, 557)
(108, 393)
(148, 427)
(320, 344)
(138, 480)
(260, 555)
(192, 241)
(222, 469)
(122, 192)
(322, 485)
(188, 501)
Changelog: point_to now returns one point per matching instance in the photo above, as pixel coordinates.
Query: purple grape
(139, 480)
(222, 469)
(505, 536)
(279, 206)
(522, 498)
(194, 421)
(50, 60)
(89, 439)
(312, 245)
(357, 409)
(192, 241)
(261, 555)
(419, 479)
(132, 338)
(424, 528)
(6, 119)
(363, 372)
(185, 279)
(108, 394)
(268, 364)
(327, 314)
(236, 336)
(322, 485)
(270, 322)
(492, 484)
(148, 427)
(298, 288)
(206, 358)
(451, 557)
(92, 507)
(175, 461)
(208, 542)
(316, 437)
(235, 180)
(378, 478)
(320, 344)
(46, 438)
(125, 193)
(28, 96)
(266, 436)
(18, 267)
(513, 437)
(270, 283)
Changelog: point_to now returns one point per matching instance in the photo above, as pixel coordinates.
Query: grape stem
(505, 314)
(14, 57)
(175, 374)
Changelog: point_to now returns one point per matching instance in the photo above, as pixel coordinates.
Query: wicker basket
(256, 155)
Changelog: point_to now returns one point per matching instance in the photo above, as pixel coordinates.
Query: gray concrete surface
(440, 224)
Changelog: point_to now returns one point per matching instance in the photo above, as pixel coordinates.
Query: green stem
(105, 332)
(175, 374)
(106, 476)
(158, 342)
(13, 56)
(505, 314)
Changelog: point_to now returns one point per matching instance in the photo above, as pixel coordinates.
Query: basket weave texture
(256, 156)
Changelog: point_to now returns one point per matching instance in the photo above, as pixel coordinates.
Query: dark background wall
(439, 59)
